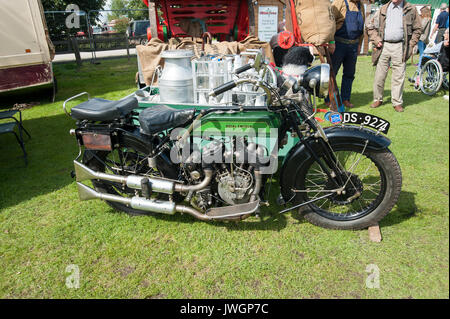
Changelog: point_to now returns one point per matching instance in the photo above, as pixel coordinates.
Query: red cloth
(295, 26)
(243, 21)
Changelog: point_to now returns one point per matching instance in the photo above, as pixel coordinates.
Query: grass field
(44, 227)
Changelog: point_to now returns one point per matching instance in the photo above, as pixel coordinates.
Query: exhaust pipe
(86, 193)
(154, 206)
(84, 173)
(165, 207)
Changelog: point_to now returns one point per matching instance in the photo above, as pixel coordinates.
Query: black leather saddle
(159, 118)
(104, 110)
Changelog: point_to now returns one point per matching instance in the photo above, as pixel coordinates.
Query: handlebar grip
(243, 68)
(223, 88)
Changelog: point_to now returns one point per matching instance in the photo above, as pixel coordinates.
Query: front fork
(329, 163)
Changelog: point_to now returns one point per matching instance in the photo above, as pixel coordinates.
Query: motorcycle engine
(234, 187)
(234, 180)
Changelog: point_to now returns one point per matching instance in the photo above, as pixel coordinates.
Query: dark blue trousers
(345, 55)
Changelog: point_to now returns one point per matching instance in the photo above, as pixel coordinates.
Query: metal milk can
(176, 82)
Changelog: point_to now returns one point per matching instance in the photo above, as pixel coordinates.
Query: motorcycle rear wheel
(376, 176)
(131, 158)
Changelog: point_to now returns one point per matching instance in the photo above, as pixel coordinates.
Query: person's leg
(349, 63)
(398, 75)
(336, 59)
(439, 36)
(381, 74)
(421, 46)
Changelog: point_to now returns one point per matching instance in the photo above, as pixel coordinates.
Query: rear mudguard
(337, 135)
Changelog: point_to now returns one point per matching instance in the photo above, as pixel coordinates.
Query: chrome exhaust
(84, 173)
(169, 208)
(148, 205)
(163, 207)
(86, 193)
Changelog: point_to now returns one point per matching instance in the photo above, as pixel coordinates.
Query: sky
(107, 6)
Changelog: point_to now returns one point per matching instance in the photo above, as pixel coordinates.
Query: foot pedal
(230, 212)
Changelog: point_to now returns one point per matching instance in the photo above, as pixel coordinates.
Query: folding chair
(10, 114)
(9, 127)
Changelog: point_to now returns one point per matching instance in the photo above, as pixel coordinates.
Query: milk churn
(176, 83)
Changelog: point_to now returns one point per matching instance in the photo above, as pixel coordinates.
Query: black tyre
(431, 77)
(373, 186)
(445, 83)
(130, 159)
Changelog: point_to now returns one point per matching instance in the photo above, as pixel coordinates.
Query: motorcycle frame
(290, 122)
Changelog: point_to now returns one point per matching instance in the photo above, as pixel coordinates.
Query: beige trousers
(392, 53)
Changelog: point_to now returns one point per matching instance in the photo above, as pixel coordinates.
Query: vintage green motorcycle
(216, 163)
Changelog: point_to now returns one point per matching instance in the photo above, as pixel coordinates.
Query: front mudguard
(337, 135)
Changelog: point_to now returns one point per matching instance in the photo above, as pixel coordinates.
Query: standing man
(441, 23)
(349, 16)
(394, 31)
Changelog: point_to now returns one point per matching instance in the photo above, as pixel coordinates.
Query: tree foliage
(56, 22)
(121, 25)
(124, 6)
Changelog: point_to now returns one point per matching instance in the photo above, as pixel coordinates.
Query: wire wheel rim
(431, 77)
(372, 194)
(124, 161)
(131, 162)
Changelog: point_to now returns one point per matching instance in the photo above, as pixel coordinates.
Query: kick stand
(375, 234)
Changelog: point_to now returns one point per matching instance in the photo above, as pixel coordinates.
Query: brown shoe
(347, 104)
(399, 108)
(376, 104)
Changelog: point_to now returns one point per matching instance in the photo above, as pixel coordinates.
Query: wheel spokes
(357, 167)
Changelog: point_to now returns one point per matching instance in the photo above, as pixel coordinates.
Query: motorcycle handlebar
(243, 69)
(232, 84)
(223, 88)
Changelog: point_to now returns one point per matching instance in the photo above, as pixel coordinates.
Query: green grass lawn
(44, 227)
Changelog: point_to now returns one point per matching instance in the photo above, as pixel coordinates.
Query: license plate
(97, 142)
(367, 120)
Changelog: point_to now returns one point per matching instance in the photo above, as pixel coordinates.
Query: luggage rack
(74, 98)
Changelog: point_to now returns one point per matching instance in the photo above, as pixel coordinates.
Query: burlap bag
(150, 55)
(316, 21)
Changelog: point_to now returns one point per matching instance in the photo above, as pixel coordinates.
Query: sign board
(267, 22)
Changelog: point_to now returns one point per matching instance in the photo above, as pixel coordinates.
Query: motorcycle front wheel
(373, 182)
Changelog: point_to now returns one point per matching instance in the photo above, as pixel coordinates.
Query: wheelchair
(430, 76)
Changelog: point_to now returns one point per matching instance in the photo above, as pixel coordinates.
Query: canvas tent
(26, 51)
